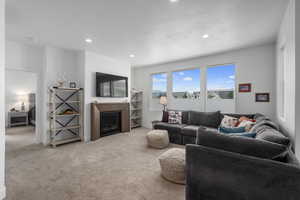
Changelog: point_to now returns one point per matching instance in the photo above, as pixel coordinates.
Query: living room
(136, 103)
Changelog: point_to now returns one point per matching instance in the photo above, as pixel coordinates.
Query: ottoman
(158, 139)
(172, 164)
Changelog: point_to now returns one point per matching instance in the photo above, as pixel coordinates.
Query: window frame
(235, 83)
(151, 83)
(186, 69)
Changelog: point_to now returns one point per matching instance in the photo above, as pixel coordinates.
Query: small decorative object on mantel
(163, 101)
(262, 97)
(245, 87)
(72, 85)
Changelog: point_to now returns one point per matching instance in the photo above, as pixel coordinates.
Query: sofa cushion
(242, 145)
(191, 130)
(210, 119)
(272, 135)
(171, 128)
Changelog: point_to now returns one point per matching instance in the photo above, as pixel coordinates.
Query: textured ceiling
(155, 31)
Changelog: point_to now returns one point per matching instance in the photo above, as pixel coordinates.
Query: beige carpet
(119, 167)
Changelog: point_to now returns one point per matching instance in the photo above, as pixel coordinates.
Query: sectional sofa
(194, 122)
(222, 167)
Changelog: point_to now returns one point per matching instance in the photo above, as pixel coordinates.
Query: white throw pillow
(229, 122)
(175, 117)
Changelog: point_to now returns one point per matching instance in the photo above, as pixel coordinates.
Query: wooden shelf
(63, 115)
(65, 128)
(65, 88)
(59, 102)
(59, 142)
(133, 109)
(61, 124)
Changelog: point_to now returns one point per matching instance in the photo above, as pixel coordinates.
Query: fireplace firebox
(115, 118)
(110, 123)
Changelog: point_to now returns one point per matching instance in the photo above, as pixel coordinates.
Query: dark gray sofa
(194, 122)
(221, 167)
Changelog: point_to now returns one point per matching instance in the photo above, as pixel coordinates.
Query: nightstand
(17, 119)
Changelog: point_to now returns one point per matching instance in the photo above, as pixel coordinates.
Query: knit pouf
(158, 139)
(172, 164)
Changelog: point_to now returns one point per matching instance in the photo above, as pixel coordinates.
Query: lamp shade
(163, 100)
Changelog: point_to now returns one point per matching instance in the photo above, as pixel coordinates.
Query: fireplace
(110, 123)
(109, 118)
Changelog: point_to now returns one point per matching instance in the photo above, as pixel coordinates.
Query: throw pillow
(175, 117)
(229, 122)
(247, 124)
(245, 134)
(231, 130)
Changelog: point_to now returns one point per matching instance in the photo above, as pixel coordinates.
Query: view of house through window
(186, 84)
(159, 85)
(220, 88)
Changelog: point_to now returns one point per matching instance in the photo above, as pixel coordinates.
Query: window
(159, 85)
(186, 84)
(220, 88)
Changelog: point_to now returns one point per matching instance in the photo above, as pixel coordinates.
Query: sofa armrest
(218, 174)
(242, 145)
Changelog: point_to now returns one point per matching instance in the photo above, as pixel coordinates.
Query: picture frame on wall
(245, 87)
(262, 97)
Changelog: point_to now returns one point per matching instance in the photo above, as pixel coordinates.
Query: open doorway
(20, 98)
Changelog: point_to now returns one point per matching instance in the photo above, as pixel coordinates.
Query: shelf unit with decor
(65, 115)
(136, 104)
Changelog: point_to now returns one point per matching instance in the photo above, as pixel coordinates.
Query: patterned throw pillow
(247, 124)
(175, 117)
(229, 122)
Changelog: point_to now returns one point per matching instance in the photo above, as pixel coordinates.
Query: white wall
(97, 63)
(297, 83)
(254, 65)
(49, 63)
(59, 63)
(2, 99)
(286, 38)
(18, 84)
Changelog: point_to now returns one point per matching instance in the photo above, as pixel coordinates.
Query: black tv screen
(108, 85)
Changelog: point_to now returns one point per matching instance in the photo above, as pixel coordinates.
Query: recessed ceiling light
(173, 1)
(131, 55)
(88, 40)
(205, 36)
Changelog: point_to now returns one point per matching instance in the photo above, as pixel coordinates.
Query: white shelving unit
(136, 104)
(65, 127)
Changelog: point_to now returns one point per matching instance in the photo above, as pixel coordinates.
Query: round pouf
(172, 164)
(158, 139)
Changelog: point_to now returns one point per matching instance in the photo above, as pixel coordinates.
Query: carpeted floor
(118, 167)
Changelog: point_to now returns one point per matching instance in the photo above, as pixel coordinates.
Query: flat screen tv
(108, 85)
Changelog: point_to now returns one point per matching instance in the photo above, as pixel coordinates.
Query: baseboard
(2, 192)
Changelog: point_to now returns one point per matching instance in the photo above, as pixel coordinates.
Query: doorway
(20, 108)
